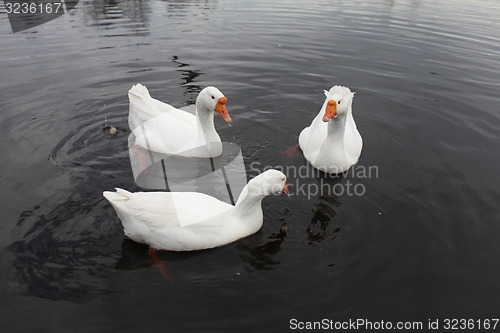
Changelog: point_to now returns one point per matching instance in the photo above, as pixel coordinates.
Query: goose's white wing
(181, 115)
(166, 133)
(179, 209)
(144, 108)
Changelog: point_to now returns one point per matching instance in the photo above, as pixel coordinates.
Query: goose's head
(338, 101)
(211, 99)
(267, 183)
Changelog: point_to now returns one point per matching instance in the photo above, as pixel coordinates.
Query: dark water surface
(421, 242)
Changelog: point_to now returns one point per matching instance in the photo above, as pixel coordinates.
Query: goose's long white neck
(248, 201)
(206, 133)
(336, 126)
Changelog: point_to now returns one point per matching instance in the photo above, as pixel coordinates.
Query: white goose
(188, 221)
(332, 142)
(162, 128)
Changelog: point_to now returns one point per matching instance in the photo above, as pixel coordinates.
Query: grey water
(411, 234)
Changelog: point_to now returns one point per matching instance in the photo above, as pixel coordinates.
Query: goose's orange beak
(220, 108)
(331, 110)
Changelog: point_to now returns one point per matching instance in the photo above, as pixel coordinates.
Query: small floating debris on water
(112, 132)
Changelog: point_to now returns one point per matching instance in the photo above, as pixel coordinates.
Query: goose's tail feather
(139, 91)
(142, 106)
(119, 195)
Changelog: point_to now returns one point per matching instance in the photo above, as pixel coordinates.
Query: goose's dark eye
(282, 178)
(213, 97)
(339, 102)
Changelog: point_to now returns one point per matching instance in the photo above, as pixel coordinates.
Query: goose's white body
(335, 145)
(187, 221)
(160, 127)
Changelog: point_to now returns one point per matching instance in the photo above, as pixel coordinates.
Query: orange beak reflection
(220, 108)
(331, 110)
(285, 190)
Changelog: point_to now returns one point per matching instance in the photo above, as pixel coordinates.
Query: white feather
(161, 128)
(333, 146)
(187, 221)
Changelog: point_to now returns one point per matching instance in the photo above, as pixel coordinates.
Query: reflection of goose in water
(136, 255)
(321, 227)
(261, 257)
(188, 82)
